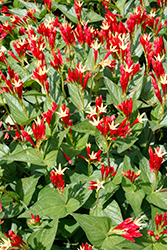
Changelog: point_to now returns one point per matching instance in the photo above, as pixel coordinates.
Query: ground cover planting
(83, 89)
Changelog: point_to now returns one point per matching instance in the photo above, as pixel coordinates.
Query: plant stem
(21, 169)
(155, 180)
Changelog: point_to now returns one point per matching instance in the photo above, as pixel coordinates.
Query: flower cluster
(160, 222)
(38, 130)
(128, 229)
(13, 241)
(33, 220)
(65, 115)
(85, 247)
(13, 84)
(77, 76)
(106, 173)
(48, 115)
(56, 177)
(131, 175)
(156, 159)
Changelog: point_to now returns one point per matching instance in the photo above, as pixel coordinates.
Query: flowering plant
(83, 89)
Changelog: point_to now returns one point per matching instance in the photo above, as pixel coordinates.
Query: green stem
(14, 198)
(88, 168)
(155, 180)
(22, 169)
(62, 82)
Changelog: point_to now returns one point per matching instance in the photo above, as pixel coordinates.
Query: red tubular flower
(93, 156)
(161, 3)
(158, 66)
(147, 46)
(5, 29)
(163, 81)
(104, 126)
(49, 30)
(39, 130)
(58, 61)
(27, 137)
(160, 222)
(48, 4)
(3, 58)
(126, 107)
(124, 129)
(48, 115)
(90, 34)
(96, 185)
(158, 46)
(21, 47)
(85, 247)
(66, 156)
(127, 73)
(78, 6)
(80, 34)
(108, 171)
(131, 175)
(56, 177)
(34, 220)
(67, 34)
(18, 86)
(138, 18)
(30, 14)
(157, 91)
(129, 229)
(77, 76)
(16, 241)
(65, 114)
(37, 46)
(156, 159)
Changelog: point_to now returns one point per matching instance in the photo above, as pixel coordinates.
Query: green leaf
(29, 5)
(80, 144)
(94, 17)
(19, 115)
(135, 200)
(76, 96)
(162, 124)
(111, 242)
(43, 239)
(96, 228)
(69, 13)
(84, 127)
(112, 210)
(11, 210)
(114, 91)
(105, 194)
(158, 199)
(114, 7)
(26, 155)
(100, 140)
(145, 176)
(51, 204)
(124, 144)
(120, 4)
(26, 187)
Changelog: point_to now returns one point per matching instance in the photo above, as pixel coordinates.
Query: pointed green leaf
(26, 155)
(135, 200)
(158, 199)
(96, 228)
(114, 91)
(26, 187)
(43, 239)
(19, 115)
